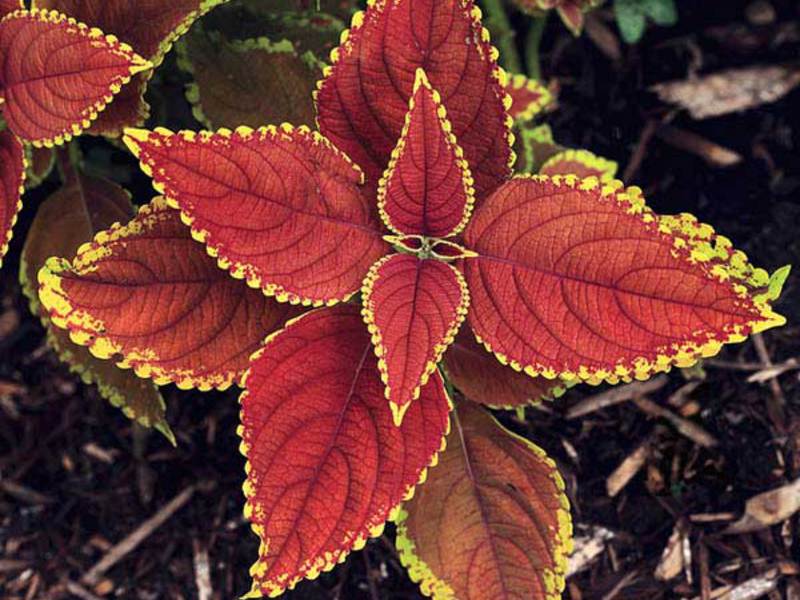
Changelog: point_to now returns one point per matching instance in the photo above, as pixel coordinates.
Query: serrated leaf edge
(607, 167)
(5, 240)
(533, 108)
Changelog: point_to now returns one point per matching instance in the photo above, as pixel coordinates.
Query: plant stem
(532, 46)
(498, 23)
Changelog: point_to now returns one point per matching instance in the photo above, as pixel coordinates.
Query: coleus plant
(391, 258)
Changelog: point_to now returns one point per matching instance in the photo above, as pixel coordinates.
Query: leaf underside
(363, 100)
(280, 207)
(580, 279)
(414, 308)
(58, 74)
(149, 297)
(12, 180)
(70, 217)
(150, 27)
(492, 517)
(326, 464)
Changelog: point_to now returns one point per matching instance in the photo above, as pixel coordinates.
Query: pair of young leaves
(566, 277)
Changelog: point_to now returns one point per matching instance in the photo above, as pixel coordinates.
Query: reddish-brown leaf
(280, 207)
(492, 521)
(413, 308)
(248, 82)
(581, 279)
(148, 296)
(580, 163)
(326, 464)
(528, 97)
(83, 207)
(40, 163)
(12, 186)
(7, 6)
(427, 187)
(151, 27)
(58, 74)
(482, 378)
(363, 100)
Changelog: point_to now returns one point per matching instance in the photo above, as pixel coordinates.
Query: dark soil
(63, 503)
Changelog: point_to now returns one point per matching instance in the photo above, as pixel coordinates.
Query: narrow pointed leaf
(149, 297)
(580, 163)
(528, 97)
(66, 220)
(326, 464)
(151, 27)
(427, 188)
(364, 98)
(280, 207)
(250, 82)
(492, 517)
(58, 74)
(12, 186)
(413, 308)
(580, 279)
(482, 378)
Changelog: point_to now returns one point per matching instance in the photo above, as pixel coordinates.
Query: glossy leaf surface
(427, 188)
(413, 308)
(150, 27)
(149, 296)
(582, 280)
(528, 97)
(280, 207)
(12, 185)
(252, 82)
(326, 464)
(492, 521)
(58, 74)
(482, 378)
(581, 163)
(363, 101)
(67, 219)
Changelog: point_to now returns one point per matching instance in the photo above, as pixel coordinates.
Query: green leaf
(632, 16)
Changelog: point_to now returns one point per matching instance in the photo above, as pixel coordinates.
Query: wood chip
(714, 154)
(587, 547)
(627, 469)
(616, 395)
(202, 572)
(768, 508)
(753, 588)
(733, 90)
(677, 555)
(685, 427)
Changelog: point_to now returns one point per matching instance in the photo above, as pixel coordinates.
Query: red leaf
(148, 296)
(7, 6)
(528, 97)
(280, 207)
(12, 173)
(581, 163)
(58, 74)
(427, 188)
(482, 378)
(326, 465)
(413, 308)
(363, 100)
(575, 279)
(492, 521)
(151, 27)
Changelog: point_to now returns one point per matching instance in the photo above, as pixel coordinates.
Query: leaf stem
(532, 46)
(503, 34)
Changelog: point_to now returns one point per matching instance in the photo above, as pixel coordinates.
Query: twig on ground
(685, 427)
(628, 468)
(616, 395)
(202, 571)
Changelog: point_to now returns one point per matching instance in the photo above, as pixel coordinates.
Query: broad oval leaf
(580, 163)
(12, 186)
(482, 378)
(247, 82)
(83, 207)
(581, 279)
(148, 296)
(151, 27)
(280, 207)
(413, 308)
(492, 517)
(326, 464)
(529, 97)
(363, 100)
(58, 74)
(427, 187)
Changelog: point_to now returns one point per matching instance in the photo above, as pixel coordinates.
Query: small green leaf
(630, 20)
(662, 12)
